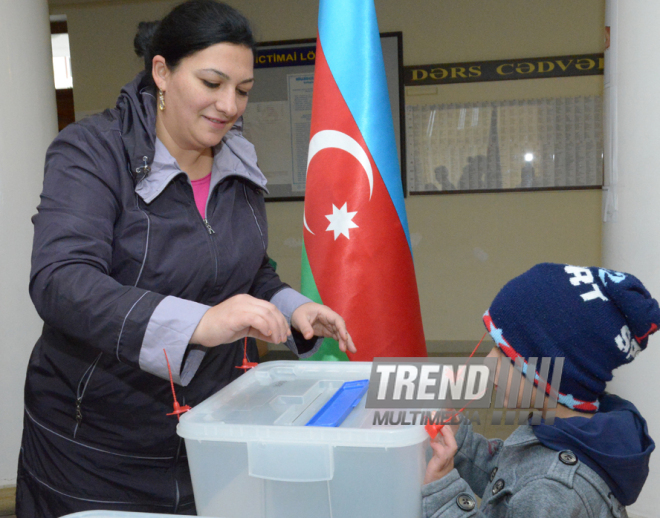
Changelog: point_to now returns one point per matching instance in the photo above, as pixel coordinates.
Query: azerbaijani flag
(356, 254)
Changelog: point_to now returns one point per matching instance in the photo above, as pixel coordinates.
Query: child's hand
(444, 448)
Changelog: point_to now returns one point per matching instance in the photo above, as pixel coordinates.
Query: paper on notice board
(301, 87)
(268, 126)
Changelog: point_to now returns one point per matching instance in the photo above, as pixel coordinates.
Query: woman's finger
(256, 321)
(280, 326)
(333, 323)
(315, 319)
(268, 324)
(347, 345)
(305, 327)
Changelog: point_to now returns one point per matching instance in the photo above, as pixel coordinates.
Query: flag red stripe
(369, 277)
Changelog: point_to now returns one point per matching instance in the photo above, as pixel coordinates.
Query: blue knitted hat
(596, 319)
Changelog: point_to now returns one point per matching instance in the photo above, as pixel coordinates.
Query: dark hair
(190, 27)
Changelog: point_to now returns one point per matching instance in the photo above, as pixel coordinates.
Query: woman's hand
(240, 316)
(313, 319)
(444, 448)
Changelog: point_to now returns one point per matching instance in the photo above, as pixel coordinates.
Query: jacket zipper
(80, 393)
(208, 227)
(254, 215)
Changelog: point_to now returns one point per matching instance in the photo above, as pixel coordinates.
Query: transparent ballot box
(295, 439)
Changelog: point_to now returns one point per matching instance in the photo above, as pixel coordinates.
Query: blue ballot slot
(340, 404)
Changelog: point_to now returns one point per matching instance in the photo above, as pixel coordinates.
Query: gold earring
(161, 100)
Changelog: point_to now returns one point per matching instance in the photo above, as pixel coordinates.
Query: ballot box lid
(286, 401)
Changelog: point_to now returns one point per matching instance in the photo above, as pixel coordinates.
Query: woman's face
(204, 95)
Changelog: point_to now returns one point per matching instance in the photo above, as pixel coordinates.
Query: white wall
(630, 236)
(28, 124)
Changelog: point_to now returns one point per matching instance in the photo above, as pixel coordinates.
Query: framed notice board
(523, 144)
(278, 117)
(506, 131)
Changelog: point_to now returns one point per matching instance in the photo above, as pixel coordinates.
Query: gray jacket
(517, 478)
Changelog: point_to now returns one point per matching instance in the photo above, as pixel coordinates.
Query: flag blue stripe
(349, 35)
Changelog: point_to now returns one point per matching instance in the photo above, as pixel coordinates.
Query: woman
(151, 235)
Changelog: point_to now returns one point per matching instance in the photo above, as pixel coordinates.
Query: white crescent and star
(340, 219)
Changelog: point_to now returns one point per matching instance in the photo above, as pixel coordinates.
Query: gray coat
(518, 478)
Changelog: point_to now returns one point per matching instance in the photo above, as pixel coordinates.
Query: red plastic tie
(434, 429)
(178, 409)
(246, 364)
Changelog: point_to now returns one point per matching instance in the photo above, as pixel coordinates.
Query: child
(594, 459)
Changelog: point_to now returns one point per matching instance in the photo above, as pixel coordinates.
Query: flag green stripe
(329, 350)
(308, 284)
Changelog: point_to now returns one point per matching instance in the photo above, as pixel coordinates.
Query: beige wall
(467, 245)
(101, 39)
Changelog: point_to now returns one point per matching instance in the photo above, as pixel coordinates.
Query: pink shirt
(201, 193)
